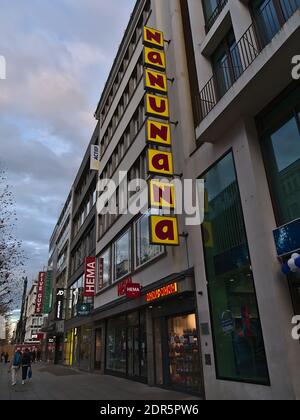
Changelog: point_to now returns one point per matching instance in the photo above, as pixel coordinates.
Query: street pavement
(61, 383)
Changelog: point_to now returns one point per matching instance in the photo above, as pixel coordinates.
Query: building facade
(33, 322)
(214, 314)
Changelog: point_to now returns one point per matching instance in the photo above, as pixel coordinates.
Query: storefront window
(104, 270)
(144, 250)
(184, 355)
(85, 347)
(75, 296)
(122, 252)
(126, 345)
(239, 347)
(281, 149)
(116, 346)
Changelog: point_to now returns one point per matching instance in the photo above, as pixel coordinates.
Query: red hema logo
(90, 277)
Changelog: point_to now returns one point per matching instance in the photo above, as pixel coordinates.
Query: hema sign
(90, 277)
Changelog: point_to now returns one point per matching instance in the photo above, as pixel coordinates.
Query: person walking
(26, 364)
(15, 367)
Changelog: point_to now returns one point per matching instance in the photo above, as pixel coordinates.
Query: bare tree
(11, 253)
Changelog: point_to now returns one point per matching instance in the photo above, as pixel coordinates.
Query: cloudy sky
(58, 55)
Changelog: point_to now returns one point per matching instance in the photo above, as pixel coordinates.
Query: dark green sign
(47, 293)
(84, 309)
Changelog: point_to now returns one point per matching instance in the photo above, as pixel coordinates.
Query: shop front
(153, 338)
(177, 343)
(126, 346)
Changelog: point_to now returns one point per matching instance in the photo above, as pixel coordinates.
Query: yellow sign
(160, 163)
(169, 290)
(158, 133)
(162, 194)
(153, 38)
(157, 106)
(164, 230)
(154, 59)
(156, 82)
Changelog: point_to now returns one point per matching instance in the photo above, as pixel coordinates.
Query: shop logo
(2, 68)
(296, 329)
(296, 68)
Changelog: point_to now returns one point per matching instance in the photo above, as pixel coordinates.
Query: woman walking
(26, 364)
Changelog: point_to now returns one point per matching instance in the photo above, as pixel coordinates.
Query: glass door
(133, 352)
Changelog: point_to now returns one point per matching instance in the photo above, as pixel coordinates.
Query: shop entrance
(98, 349)
(133, 348)
(177, 351)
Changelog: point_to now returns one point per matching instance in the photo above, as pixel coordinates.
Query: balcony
(215, 14)
(265, 26)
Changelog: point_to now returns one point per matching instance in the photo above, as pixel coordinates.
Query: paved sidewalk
(61, 383)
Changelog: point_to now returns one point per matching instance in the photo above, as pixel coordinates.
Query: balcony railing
(215, 15)
(261, 32)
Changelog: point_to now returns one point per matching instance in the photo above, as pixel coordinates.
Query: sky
(58, 55)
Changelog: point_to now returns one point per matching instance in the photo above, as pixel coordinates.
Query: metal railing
(261, 32)
(215, 15)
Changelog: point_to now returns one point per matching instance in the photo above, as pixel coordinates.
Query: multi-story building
(214, 315)
(58, 270)
(33, 322)
(78, 344)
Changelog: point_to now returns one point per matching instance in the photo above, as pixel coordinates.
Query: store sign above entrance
(122, 286)
(133, 291)
(171, 289)
(163, 229)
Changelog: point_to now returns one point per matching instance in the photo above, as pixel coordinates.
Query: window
(281, 150)
(144, 251)
(122, 253)
(238, 339)
(227, 64)
(104, 270)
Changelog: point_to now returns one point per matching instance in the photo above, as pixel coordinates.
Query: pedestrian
(2, 357)
(26, 364)
(38, 355)
(15, 367)
(6, 356)
(33, 356)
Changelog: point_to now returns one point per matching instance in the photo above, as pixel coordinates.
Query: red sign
(90, 277)
(133, 291)
(23, 347)
(165, 291)
(40, 293)
(123, 286)
(38, 337)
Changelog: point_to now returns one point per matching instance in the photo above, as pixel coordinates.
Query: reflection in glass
(144, 250)
(122, 256)
(239, 346)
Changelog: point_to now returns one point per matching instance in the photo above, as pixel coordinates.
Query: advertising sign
(169, 290)
(122, 286)
(59, 306)
(163, 230)
(47, 293)
(90, 277)
(95, 158)
(40, 293)
(133, 291)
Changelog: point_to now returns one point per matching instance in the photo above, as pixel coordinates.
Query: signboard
(30, 347)
(162, 194)
(95, 158)
(153, 38)
(38, 337)
(163, 230)
(59, 306)
(84, 309)
(164, 291)
(133, 291)
(90, 277)
(47, 293)
(122, 286)
(287, 238)
(40, 293)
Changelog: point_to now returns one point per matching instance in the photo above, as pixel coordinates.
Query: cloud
(58, 56)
